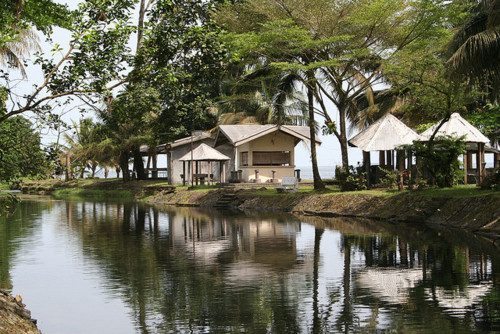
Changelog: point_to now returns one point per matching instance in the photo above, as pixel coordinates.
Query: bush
(440, 160)
(491, 181)
(350, 181)
(389, 178)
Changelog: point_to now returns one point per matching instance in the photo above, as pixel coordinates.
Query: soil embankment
(474, 213)
(14, 318)
(466, 208)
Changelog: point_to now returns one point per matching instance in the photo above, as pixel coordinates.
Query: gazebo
(196, 158)
(458, 127)
(386, 136)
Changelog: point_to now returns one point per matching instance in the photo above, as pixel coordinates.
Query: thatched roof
(243, 133)
(204, 153)
(385, 134)
(457, 127)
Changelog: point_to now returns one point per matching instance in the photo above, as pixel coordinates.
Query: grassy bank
(466, 207)
(92, 194)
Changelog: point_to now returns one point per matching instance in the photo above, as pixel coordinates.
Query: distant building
(257, 153)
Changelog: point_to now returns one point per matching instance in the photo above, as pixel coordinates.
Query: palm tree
(87, 145)
(271, 96)
(264, 96)
(476, 46)
(13, 53)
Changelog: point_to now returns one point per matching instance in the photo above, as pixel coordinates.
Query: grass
(92, 194)
(462, 191)
(102, 189)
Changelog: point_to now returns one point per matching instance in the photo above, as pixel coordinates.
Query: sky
(328, 152)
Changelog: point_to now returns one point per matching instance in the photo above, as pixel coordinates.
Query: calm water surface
(86, 267)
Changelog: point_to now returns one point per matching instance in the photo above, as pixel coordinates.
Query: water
(85, 267)
(326, 172)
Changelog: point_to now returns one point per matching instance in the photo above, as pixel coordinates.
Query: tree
(85, 146)
(475, 48)
(20, 152)
(128, 123)
(183, 57)
(344, 46)
(94, 63)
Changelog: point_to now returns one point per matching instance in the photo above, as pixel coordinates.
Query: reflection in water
(128, 268)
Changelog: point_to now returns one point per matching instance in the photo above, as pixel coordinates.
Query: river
(93, 267)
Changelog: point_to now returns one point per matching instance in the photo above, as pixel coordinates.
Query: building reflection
(183, 269)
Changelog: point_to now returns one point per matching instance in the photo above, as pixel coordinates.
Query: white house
(257, 153)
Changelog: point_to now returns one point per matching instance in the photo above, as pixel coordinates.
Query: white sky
(328, 153)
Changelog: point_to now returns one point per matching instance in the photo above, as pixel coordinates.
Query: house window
(244, 158)
(271, 158)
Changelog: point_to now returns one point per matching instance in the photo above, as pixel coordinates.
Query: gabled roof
(457, 127)
(385, 134)
(243, 133)
(204, 153)
(187, 140)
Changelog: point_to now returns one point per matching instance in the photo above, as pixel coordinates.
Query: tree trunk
(124, 166)
(93, 168)
(140, 24)
(343, 139)
(316, 314)
(318, 183)
(139, 165)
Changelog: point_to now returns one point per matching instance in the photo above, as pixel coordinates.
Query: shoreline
(14, 317)
(469, 208)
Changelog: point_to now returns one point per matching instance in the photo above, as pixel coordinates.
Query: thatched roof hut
(385, 134)
(457, 127)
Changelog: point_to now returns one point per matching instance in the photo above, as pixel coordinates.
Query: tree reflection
(187, 270)
(13, 229)
(172, 267)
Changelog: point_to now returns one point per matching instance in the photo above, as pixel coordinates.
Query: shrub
(350, 181)
(491, 181)
(389, 178)
(440, 160)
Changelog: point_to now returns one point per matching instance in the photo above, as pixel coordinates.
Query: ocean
(326, 172)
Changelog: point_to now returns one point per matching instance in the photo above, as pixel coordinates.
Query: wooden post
(196, 164)
(183, 173)
(366, 164)
(411, 177)
(469, 160)
(466, 164)
(479, 163)
(381, 159)
(210, 180)
(154, 173)
(496, 163)
(389, 159)
(482, 167)
(220, 172)
(401, 168)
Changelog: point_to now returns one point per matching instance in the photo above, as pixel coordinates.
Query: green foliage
(352, 180)
(491, 181)
(8, 204)
(182, 58)
(440, 160)
(487, 120)
(20, 151)
(389, 178)
(17, 15)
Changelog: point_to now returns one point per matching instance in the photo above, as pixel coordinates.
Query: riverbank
(14, 318)
(467, 207)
